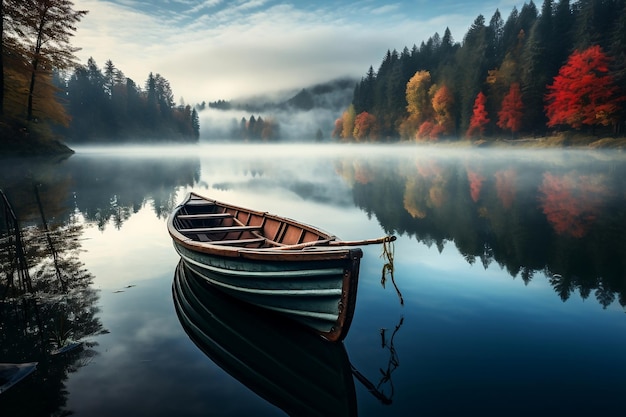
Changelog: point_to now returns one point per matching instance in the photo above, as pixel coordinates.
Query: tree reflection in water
(48, 320)
(559, 218)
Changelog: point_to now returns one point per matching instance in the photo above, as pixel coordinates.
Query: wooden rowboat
(271, 261)
(294, 369)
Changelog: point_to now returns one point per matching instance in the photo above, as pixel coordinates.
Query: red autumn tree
(364, 124)
(510, 115)
(583, 93)
(425, 130)
(479, 116)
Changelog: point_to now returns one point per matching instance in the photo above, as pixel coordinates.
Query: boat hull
(272, 262)
(318, 294)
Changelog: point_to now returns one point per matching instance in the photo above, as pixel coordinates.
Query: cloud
(211, 50)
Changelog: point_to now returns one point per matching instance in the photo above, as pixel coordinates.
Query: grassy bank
(565, 140)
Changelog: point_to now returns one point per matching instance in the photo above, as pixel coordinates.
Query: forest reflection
(48, 307)
(556, 214)
(560, 219)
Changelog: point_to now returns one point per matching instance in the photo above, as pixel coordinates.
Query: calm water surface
(509, 273)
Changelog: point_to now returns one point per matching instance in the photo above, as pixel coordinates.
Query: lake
(507, 296)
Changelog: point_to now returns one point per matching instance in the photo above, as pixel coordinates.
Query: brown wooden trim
(221, 229)
(238, 241)
(204, 216)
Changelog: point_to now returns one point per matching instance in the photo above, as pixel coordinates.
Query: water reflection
(102, 188)
(562, 219)
(47, 308)
(290, 367)
(474, 338)
(553, 213)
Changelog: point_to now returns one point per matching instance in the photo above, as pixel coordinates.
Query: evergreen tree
(195, 123)
(618, 51)
(364, 92)
(109, 77)
(537, 67)
(471, 67)
(563, 24)
(152, 103)
(511, 30)
(495, 33)
(164, 95)
(592, 17)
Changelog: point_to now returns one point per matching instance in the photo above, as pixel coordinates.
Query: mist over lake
(507, 296)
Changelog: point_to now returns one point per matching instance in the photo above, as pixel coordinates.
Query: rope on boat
(388, 267)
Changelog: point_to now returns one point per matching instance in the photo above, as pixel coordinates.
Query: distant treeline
(255, 129)
(107, 106)
(304, 114)
(563, 68)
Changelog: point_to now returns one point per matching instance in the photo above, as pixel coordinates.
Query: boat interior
(212, 222)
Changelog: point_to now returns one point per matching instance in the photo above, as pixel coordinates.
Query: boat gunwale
(277, 253)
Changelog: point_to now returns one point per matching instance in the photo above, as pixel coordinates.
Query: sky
(215, 49)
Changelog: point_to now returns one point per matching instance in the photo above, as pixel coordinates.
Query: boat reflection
(292, 368)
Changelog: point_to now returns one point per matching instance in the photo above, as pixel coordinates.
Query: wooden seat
(205, 216)
(237, 242)
(220, 229)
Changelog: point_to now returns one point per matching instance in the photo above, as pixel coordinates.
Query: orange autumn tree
(364, 125)
(584, 93)
(443, 107)
(479, 116)
(510, 115)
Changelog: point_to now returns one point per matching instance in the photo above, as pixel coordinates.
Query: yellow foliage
(348, 122)
(46, 105)
(417, 97)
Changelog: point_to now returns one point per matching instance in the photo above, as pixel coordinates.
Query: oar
(329, 242)
(363, 242)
